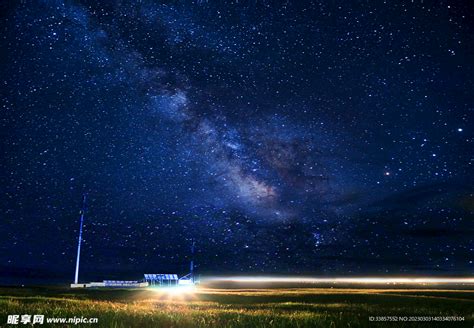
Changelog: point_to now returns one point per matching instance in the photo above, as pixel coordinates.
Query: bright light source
(175, 290)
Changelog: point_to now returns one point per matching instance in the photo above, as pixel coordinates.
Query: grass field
(301, 307)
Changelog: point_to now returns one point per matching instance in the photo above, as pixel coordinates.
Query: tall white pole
(76, 277)
(191, 265)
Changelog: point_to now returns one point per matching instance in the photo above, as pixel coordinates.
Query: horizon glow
(353, 280)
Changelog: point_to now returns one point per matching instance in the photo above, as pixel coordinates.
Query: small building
(161, 279)
(124, 284)
(187, 280)
(112, 284)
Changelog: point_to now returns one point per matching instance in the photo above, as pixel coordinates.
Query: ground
(282, 307)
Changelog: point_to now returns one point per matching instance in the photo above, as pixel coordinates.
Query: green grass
(304, 307)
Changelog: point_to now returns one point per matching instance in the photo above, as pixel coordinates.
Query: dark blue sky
(322, 137)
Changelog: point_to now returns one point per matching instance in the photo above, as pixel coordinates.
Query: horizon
(305, 138)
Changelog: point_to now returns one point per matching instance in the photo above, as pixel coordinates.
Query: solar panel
(160, 276)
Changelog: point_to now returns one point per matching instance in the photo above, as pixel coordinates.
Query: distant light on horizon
(353, 280)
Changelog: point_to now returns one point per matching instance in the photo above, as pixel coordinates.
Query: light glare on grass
(175, 292)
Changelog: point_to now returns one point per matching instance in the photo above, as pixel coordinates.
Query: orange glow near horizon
(342, 280)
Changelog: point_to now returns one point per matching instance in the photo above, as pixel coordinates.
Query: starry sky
(322, 137)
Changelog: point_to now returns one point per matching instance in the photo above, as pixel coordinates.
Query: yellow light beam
(351, 280)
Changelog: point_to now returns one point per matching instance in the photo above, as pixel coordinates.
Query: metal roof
(161, 276)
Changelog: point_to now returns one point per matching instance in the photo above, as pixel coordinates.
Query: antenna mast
(191, 264)
(83, 210)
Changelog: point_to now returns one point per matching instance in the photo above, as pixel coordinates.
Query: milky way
(320, 137)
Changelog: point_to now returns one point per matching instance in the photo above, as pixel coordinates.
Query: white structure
(161, 279)
(76, 275)
(112, 284)
(186, 280)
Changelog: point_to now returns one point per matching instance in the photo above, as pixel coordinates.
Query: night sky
(324, 138)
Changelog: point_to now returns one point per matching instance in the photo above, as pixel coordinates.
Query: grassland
(307, 307)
